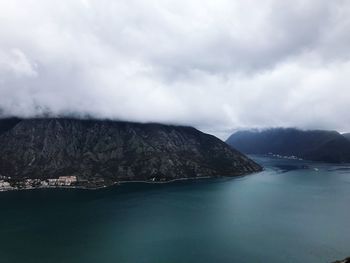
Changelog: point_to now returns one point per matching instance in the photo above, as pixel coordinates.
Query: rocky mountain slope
(104, 152)
(317, 145)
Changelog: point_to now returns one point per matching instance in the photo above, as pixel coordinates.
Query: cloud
(217, 65)
(14, 62)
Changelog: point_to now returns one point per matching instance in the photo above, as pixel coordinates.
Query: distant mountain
(99, 152)
(347, 260)
(316, 145)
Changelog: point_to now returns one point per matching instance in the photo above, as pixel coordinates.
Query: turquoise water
(291, 212)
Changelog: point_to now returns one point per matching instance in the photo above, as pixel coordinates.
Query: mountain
(346, 135)
(315, 145)
(7, 124)
(347, 260)
(99, 152)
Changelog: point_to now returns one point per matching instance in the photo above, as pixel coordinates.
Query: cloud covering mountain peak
(217, 65)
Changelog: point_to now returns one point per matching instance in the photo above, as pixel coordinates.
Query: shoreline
(126, 182)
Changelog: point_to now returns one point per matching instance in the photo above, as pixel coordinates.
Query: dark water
(289, 213)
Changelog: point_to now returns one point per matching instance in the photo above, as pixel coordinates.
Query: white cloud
(15, 62)
(218, 65)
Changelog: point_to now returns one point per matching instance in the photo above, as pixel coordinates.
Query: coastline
(92, 188)
(82, 187)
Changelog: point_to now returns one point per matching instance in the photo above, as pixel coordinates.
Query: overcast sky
(217, 65)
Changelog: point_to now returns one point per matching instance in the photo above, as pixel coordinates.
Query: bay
(293, 211)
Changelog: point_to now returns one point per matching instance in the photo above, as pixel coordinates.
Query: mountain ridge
(315, 145)
(103, 152)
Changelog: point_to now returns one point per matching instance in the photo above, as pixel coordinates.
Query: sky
(217, 65)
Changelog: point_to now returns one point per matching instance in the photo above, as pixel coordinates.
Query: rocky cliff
(104, 152)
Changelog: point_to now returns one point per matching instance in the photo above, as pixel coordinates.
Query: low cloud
(217, 65)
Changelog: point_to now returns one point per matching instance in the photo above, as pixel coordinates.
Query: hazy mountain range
(316, 145)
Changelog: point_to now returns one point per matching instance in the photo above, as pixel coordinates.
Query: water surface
(294, 211)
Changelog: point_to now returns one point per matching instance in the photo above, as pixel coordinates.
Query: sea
(294, 211)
